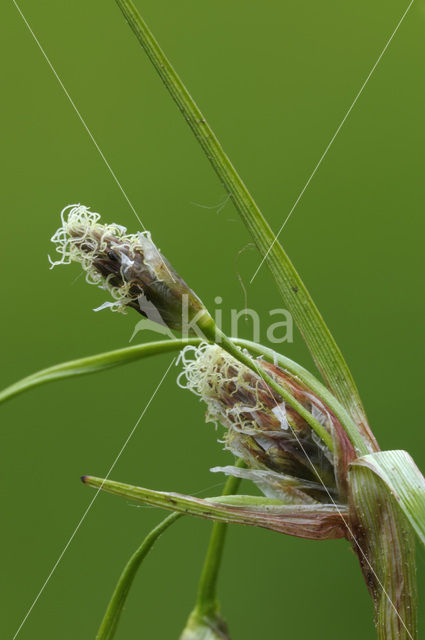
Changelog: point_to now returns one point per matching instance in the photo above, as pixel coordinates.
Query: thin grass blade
(94, 364)
(116, 604)
(298, 301)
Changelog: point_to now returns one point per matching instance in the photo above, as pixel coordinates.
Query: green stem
(206, 604)
(113, 612)
(316, 334)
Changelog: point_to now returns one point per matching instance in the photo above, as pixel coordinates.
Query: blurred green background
(275, 79)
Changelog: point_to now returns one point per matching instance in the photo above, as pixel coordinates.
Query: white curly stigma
(206, 369)
(81, 227)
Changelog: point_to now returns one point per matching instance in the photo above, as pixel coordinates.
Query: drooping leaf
(93, 364)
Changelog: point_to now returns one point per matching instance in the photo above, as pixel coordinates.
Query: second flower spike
(286, 459)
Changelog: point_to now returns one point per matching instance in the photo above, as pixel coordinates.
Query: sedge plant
(304, 442)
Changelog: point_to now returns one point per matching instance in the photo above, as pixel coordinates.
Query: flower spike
(286, 459)
(129, 266)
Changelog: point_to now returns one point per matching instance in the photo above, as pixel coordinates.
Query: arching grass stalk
(94, 364)
(115, 607)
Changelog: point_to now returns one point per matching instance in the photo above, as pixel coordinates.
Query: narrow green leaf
(316, 522)
(405, 482)
(316, 334)
(116, 604)
(93, 364)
